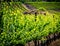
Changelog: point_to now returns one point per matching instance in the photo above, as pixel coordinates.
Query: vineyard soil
(55, 43)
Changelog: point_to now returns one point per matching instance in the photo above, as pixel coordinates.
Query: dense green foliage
(1, 13)
(20, 29)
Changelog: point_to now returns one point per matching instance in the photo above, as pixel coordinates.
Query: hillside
(19, 29)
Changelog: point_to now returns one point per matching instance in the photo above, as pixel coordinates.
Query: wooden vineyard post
(35, 16)
(54, 37)
(59, 35)
(35, 41)
(28, 44)
(38, 42)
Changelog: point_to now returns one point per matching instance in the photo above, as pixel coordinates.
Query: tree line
(29, 0)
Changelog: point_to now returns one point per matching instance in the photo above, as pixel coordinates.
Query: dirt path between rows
(28, 7)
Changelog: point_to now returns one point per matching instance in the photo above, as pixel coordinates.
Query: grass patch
(46, 5)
